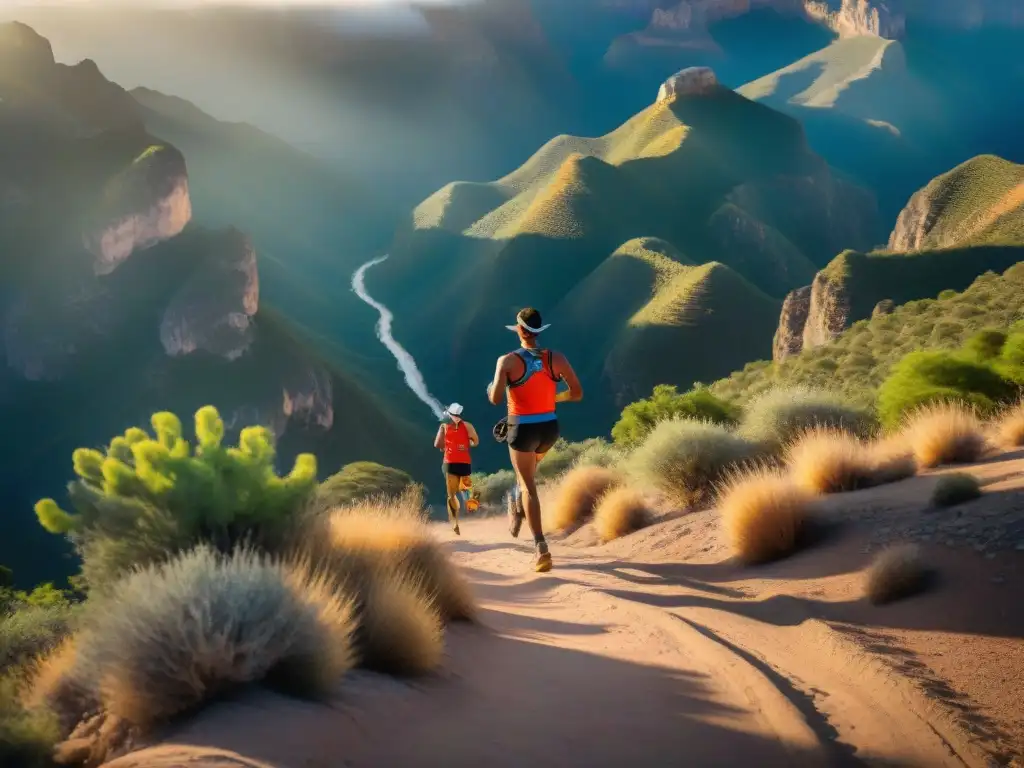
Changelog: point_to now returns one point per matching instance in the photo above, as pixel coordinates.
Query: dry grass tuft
(577, 494)
(825, 460)
(400, 629)
(170, 637)
(896, 572)
(620, 512)
(762, 513)
(892, 460)
(54, 685)
(371, 539)
(1009, 427)
(955, 488)
(945, 433)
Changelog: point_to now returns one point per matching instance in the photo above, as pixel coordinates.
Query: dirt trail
(636, 653)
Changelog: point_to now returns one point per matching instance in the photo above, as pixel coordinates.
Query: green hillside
(605, 235)
(959, 233)
(980, 202)
(858, 361)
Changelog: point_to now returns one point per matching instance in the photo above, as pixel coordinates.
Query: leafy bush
(921, 378)
(600, 454)
(27, 736)
(145, 499)
(985, 346)
(360, 480)
(991, 302)
(665, 402)
(685, 458)
(955, 488)
(777, 416)
(564, 455)
(29, 631)
(171, 636)
(491, 489)
(762, 513)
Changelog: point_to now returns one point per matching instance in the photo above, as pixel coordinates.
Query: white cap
(454, 409)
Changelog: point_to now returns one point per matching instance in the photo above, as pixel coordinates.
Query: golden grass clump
(762, 512)
(892, 460)
(577, 495)
(825, 460)
(620, 512)
(945, 433)
(170, 637)
(375, 538)
(1009, 427)
(55, 686)
(897, 572)
(400, 628)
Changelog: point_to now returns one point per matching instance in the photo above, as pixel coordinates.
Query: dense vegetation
(860, 359)
(203, 569)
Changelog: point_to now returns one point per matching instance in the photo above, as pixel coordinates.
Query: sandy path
(600, 663)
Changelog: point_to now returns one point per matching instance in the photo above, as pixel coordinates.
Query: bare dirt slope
(655, 650)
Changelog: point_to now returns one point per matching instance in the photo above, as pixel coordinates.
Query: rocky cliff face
(144, 204)
(693, 81)
(308, 397)
(915, 222)
(213, 310)
(789, 338)
(828, 311)
(860, 17)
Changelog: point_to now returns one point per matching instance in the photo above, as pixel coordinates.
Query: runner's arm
(474, 439)
(439, 438)
(496, 389)
(565, 372)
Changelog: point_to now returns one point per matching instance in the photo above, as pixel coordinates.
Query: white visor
(520, 324)
(454, 410)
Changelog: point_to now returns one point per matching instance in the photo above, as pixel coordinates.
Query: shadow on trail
(504, 702)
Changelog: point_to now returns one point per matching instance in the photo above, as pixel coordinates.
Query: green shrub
(145, 499)
(491, 489)
(27, 737)
(955, 488)
(984, 346)
(929, 377)
(1010, 364)
(171, 636)
(600, 454)
(777, 416)
(30, 630)
(361, 480)
(665, 402)
(563, 456)
(685, 458)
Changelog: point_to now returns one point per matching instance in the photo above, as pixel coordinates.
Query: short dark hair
(531, 317)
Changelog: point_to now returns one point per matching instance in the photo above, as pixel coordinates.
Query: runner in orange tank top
(530, 375)
(455, 439)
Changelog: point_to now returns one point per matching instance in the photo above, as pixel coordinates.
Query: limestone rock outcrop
(213, 310)
(692, 81)
(789, 338)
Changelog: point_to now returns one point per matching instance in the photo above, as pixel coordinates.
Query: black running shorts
(536, 437)
(457, 469)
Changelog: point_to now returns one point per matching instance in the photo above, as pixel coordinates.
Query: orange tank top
(456, 443)
(533, 393)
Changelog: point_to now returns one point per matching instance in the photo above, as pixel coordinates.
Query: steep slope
(963, 223)
(114, 304)
(892, 113)
(712, 175)
(859, 358)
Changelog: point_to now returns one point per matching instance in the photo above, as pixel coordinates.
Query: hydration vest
(531, 397)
